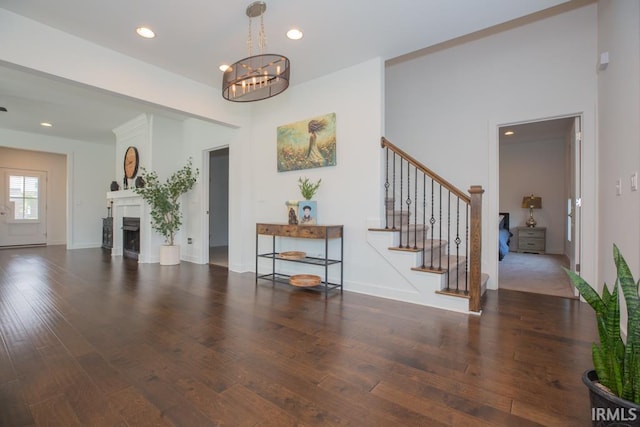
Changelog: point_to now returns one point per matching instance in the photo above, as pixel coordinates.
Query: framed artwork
(307, 212)
(307, 144)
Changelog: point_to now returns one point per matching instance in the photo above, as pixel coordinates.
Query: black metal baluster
(401, 178)
(449, 241)
(424, 216)
(432, 221)
(458, 241)
(386, 190)
(440, 232)
(393, 211)
(415, 208)
(408, 201)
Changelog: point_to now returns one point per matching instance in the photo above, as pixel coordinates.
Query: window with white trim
(23, 195)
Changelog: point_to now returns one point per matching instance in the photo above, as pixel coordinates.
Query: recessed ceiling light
(145, 32)
(509, 132)
(223, 67)
(46, 124)
(295, 34)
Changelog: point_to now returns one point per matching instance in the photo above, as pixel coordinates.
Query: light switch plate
(634, 181)
(619, 187)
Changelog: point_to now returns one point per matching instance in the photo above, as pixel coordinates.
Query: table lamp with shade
(531, 202)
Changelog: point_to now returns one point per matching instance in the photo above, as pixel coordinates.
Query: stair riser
(410, 238)
(400, 219)
(423, 284)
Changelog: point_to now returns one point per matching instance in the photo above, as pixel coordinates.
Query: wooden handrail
(446, 184)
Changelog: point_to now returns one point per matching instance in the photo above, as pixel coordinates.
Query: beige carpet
(535, 273)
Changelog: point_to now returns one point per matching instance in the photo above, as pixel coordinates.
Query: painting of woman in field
(307, 144)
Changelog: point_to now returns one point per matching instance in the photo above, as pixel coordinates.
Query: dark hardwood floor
(90, 340)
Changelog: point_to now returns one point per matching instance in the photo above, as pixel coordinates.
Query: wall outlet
(189, 240)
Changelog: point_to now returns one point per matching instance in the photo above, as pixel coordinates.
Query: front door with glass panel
(22, 207)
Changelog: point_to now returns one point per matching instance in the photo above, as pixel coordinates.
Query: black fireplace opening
(130, 237)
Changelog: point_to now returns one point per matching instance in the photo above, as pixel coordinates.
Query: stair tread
(418, 246)
(409, 249)
(454, 293)
(442, 262)
(419, 227)
(461, 281)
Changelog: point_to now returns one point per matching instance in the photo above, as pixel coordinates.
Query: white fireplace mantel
(126, 203)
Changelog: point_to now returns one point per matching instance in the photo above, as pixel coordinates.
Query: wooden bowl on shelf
(304, 280)
(292, 255)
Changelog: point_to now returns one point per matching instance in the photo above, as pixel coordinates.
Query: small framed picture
(307, 212)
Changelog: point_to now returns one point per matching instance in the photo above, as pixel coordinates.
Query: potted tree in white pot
(163, 199)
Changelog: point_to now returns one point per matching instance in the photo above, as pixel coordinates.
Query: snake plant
(616, 362)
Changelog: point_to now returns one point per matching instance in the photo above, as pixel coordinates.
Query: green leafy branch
(308, 188)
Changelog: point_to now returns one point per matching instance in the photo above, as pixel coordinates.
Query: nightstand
(532, 240)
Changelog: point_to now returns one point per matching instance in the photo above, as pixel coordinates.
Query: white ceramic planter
(169, 255)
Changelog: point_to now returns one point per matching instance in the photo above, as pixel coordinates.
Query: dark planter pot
(608, 409)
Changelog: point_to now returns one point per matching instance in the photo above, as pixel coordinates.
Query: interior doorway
(540, 159)
(219, 207)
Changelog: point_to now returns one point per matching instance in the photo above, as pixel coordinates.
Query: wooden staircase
(433, 241)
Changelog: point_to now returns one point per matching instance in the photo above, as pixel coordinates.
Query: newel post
(475, 248)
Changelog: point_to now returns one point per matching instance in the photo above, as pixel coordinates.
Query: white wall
(55, 165)
(350, 193)
(200, 138)
(167, 146)
(445, 107)
(538, 168)
(619, 134)
(86, 184)
(134, 133)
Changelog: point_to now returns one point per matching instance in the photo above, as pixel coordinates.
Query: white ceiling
(195, 37)
(544, 130)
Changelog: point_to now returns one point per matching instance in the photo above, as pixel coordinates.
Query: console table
(324, 232)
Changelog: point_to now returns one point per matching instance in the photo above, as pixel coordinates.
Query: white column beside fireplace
(126, 203)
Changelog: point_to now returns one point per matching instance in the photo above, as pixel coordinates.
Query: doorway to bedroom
(540, 196)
